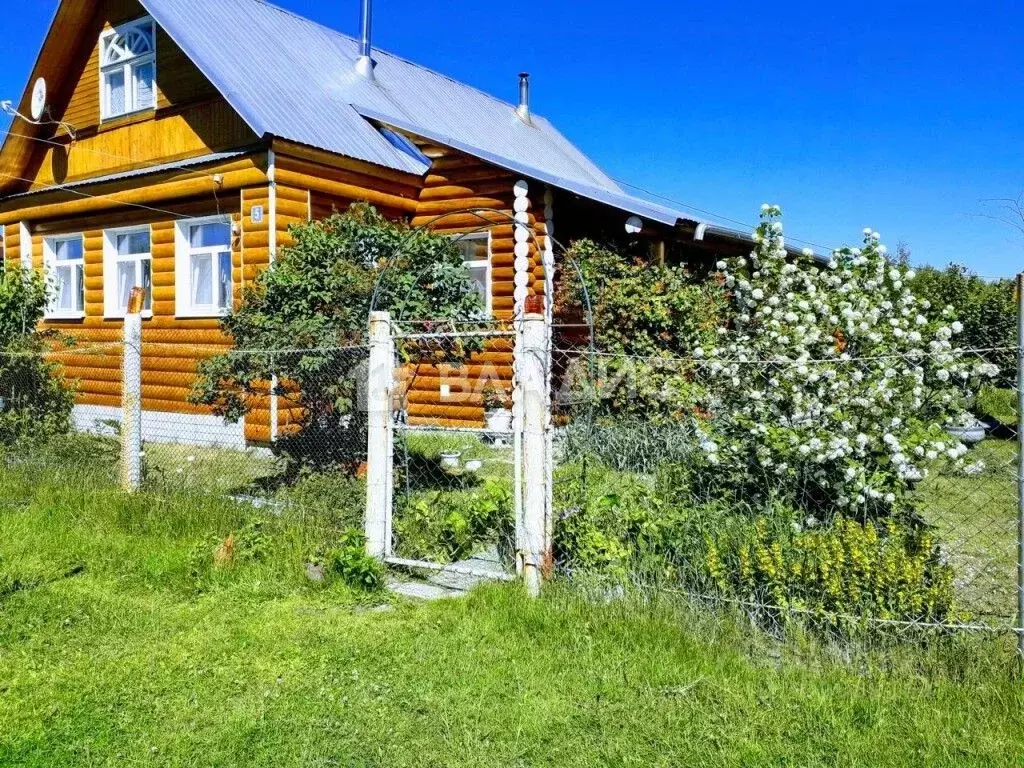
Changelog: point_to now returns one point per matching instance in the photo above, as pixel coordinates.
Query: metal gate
(454, 447)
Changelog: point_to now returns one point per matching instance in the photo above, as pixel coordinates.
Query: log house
(169, 156)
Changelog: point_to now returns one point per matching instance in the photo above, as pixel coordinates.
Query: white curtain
(144, 94)
(478, 274)
(132, 244)
(147, 279)
(125, 282)
(115, 91)
(224, 294)
(66, 289)
(202, 279)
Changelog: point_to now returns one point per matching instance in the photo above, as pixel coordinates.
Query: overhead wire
(650, 193)
(718, 216)
(51, 142)
(8, 107)
(79, 193)
(114, 155)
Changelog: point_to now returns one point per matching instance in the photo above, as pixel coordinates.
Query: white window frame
(129, 67)
(183, 252)
(486, 262)
(111, 308)
(50, 265)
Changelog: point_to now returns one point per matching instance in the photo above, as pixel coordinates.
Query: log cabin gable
(188, 116)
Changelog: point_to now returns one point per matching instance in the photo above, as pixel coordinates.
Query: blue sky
(899, 116)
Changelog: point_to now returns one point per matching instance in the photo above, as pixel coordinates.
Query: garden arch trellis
(530, 331)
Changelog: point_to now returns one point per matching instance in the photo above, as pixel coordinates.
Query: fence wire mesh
(718, 478)
(652, 484)
(455, 468)
(281, 433)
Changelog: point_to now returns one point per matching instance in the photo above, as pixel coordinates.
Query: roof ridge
(388, 53)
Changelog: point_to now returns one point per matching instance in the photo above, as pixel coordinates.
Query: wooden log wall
(305, 188)
(457, 182)
(292, 206)
(336, 187)
(11, 243)
(157, 191)
(172, 346)
(254, 257)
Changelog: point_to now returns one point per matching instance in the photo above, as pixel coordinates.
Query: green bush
(350, 562)
(36, 399)
(316, 299)
(451, 525)
(772, 557)
(648, 314)
(988, 311)
(889, 570)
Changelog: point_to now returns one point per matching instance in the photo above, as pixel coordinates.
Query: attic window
(128, 69)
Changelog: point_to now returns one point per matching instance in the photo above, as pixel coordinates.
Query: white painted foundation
(163, 427)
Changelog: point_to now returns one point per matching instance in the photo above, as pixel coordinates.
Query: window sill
(128, 118)
(147, 315)
(57, 317)
(202, 314)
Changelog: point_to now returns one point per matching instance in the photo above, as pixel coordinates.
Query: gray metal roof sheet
(180, 164)
(290, 77)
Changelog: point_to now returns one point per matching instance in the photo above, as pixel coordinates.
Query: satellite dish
(634, 225)
(38, 99)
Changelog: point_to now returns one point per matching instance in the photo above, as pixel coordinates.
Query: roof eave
(621, 201)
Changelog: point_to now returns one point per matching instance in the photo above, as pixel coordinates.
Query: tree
(831, 387)
(303, 322)
(648, 315)
(987, 310)
(36, 400)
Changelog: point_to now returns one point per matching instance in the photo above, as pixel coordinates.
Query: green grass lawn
(976, 519)
(122, 643)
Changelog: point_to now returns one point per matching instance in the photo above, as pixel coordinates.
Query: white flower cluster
(833, 374)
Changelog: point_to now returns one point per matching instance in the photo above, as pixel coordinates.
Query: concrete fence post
(131, 394)
(534, 546)
(380, 437)
(1020, 465)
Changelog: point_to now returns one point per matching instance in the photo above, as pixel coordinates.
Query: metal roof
(295, 79)
(162, 167)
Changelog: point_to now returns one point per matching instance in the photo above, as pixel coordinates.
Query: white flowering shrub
(832, 384)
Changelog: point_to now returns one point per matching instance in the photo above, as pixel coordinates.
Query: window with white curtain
(128, 69)
(127, 264)
(476, 256)
(64, 261)
(203, 267)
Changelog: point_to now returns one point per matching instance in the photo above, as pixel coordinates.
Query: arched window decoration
(128, 69)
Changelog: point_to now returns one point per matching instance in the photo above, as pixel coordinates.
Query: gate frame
(531, 441)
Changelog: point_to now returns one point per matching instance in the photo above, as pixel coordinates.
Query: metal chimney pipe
(364, 64)
(523, 110)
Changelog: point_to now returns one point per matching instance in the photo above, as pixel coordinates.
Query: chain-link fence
(455, 450)
(845, 491)
(271, 430)
(874, 502)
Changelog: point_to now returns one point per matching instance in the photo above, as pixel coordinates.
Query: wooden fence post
(380, 437)
(131, 394)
